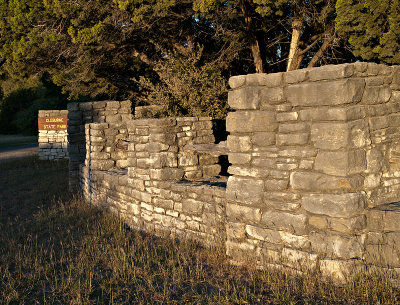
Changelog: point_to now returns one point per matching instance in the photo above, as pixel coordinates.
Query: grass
(16, 140)
(55, 249)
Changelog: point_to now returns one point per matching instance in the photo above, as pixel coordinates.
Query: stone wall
(147, 189)
(312, 152)
(315, 171)
(80, 114)
(52, 143)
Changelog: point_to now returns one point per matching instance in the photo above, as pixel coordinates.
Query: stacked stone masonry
(146, 189)
(52, 143)
(315, 166)
(315, 171)
(80, 114)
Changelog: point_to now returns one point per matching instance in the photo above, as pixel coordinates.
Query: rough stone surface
(335, 92)
(335, 205)
(315, 169)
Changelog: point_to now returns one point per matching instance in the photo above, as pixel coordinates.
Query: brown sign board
(53, 123)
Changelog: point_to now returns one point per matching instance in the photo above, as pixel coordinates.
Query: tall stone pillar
(310, 152)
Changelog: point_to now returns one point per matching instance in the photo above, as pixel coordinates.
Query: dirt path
(16, 152)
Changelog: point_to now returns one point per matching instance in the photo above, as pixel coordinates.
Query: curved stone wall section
(151, 191)
(80, 114)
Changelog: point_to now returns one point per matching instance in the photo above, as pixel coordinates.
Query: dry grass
(55, 249)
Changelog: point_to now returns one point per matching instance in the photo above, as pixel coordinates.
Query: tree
(372, 28)
(96, 47)
(283, 34)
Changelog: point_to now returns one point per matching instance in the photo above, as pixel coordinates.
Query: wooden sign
(52, 123)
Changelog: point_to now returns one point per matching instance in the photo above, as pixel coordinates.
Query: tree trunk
(256, 49)
(295, 58)
(256, 52)
(329, 37)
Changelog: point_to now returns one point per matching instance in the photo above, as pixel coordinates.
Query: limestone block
(237, 81)
(268, 256)
(240, 213)
(167, 174)
(284, 139)
(272, 96)
(263, 138)
(330, 72)
(248, 171)
(345, 247)
(263, 79)
(241, 252)
(302, 180)
(337, 92)
(384, 218)
(187, 159)
(377, 123)
(211, 170)
(340, 270)
(300, 260)
(275, 184)
(341, 163)
(88, 106)
(163, 138)
(374, 160)
(270, 236)
(264, 162)
(293, 223)
(102, 164)
(318, 222)
(298, 152)
(376, 95)
(251, 121)
(205, 124)
(239, 143)
(296, 76)
(383, 255)
(244, 98)
(152, 147)
(348, 225)
(235, 230)
(74, 115)
(287, 116)
(246, 190)
(293, 127)
(239, 158)
(73, 107)
(295, 241)
(333, 136)
(163, 203)
(348, 113)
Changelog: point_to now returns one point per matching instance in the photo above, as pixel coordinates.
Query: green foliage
(187, 86)
(372, 28)
(19, 108)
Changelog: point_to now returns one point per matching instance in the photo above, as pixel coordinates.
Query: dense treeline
(180, 53)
